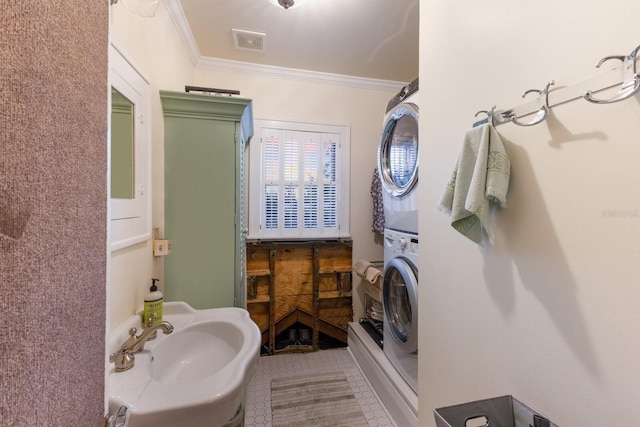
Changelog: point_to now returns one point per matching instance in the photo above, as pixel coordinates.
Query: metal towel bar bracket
(507, 116)
(493, 117)
(543, 112)
(631, 81)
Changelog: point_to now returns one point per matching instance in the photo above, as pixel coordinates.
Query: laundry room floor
(258, 399)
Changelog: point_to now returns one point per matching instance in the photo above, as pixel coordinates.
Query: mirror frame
(130, 219)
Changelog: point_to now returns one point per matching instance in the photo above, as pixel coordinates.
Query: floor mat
(322, 399)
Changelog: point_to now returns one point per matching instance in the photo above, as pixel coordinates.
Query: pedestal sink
(196, 376)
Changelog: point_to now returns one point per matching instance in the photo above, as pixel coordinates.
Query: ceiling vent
(249, 40)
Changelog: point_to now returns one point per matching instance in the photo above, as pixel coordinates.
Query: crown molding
(198, 106)
(174, 7)
(177, 16)
(297, 74)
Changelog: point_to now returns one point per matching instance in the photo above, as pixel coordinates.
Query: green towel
(478, 185)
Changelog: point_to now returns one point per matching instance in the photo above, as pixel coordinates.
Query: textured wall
(53, 112)
(550, 312)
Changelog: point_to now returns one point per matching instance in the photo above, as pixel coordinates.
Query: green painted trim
(198, 106)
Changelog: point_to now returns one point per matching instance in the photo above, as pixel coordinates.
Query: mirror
(122, 146)
(129, 154)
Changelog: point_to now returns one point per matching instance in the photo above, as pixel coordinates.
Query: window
(299, 181)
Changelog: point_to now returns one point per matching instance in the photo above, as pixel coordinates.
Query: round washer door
(400, 303)
(398, 153)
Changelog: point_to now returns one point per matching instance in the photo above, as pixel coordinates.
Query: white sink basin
(197, 351)
(196, 376)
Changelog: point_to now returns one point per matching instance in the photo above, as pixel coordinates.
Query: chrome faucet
(124, 358)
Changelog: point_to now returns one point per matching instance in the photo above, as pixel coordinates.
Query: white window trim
(255, 173)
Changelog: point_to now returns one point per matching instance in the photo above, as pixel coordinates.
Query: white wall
(154, 47)
(361, 109)
(551, 312)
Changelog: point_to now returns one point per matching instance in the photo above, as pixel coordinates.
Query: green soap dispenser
(153, 300)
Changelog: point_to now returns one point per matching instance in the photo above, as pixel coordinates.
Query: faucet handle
(132, 338)
(122, 359)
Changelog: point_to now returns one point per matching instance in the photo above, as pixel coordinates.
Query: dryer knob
(403, 243)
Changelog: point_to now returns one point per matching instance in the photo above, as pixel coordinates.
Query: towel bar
(626, 76)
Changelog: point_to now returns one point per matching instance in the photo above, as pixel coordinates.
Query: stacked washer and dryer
(398, 169)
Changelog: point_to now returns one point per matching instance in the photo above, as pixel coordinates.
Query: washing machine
(398, 160)
(400, 304)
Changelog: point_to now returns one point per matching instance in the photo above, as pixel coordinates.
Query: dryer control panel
(404, 93)
(400, 243)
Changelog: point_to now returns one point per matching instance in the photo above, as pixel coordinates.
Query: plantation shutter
(299, 183)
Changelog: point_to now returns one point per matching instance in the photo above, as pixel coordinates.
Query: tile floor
(258, 399)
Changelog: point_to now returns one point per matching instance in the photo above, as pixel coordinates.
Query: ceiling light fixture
(287, 4)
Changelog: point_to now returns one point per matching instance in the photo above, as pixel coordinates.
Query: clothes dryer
(398, 160)
(400, 304)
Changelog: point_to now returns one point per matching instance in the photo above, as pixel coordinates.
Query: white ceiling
(370, 39)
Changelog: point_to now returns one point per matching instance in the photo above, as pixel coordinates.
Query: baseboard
(399, 399)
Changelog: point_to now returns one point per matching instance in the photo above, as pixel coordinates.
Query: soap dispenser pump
(153, 300)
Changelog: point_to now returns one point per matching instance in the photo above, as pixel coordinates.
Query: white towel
(360, 267)
(478, 185)
(372, 274)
